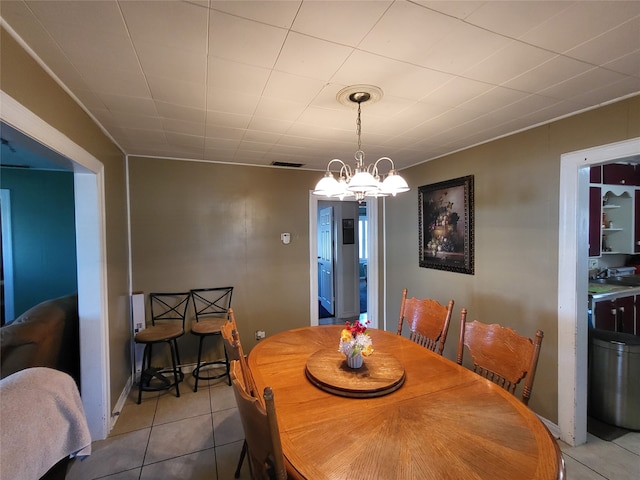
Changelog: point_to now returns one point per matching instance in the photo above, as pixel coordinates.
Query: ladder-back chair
(428, 321)
(260, 426)
(211, 306)
(234, 351)
(500, 354)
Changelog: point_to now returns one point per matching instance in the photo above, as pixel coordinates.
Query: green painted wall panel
(43, 230)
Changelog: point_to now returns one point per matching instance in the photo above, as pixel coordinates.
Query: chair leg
(228, 365)
(241, 459)
(145, 355)
(174, 355)
(196, 372)
(175, 344)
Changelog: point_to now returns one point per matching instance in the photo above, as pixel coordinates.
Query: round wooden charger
(380, 374)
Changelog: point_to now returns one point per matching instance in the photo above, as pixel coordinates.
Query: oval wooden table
(443, 422)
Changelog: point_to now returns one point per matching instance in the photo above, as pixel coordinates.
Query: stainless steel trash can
(614, 378)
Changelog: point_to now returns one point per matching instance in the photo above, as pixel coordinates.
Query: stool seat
(210, 326)
(159, 333)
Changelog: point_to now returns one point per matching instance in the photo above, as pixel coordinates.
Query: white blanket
(41, 422)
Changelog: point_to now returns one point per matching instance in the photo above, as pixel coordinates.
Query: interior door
(325, 258)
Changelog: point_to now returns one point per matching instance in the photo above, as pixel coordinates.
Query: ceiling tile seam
(144, 75)
(216, 10)
(57, 80)
(206, 79)
(524, 129)
(271, 70)
(518, 40)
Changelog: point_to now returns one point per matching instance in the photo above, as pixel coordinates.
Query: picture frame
(445, 225)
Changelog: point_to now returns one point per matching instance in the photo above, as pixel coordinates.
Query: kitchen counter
(615, 287)
(601, 291)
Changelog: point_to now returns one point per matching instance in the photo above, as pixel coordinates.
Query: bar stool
(211, 307)
(168, 313)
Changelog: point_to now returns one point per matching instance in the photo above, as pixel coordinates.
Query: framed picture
(445, 225)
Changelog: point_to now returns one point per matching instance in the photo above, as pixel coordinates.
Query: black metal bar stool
(211, 307)
(168, 314)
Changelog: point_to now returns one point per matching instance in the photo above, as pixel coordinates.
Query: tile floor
(199, 436)
(598, 459)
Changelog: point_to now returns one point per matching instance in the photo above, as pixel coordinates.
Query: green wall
(43, 231)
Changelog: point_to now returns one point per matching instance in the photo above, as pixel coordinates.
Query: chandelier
(361, 181)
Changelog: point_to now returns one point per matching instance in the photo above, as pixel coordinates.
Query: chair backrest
(169, 306)
(260, 427)
(428, 321)
(500, 354)
(211, 302)
(233, 347)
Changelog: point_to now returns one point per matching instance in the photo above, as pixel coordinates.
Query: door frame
(91, 254)
(372, 262)
(573, 226)
(7, 254)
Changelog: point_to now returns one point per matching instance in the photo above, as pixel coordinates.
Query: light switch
(286, 238)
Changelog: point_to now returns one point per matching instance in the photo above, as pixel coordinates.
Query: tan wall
(201, 225)
(24, 80)
(516, 233)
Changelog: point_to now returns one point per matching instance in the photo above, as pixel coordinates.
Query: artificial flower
(355, 339)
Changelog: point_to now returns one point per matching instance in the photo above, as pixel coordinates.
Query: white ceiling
(255, 82)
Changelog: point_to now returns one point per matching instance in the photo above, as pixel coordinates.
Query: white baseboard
(553, 428)
(115, 414)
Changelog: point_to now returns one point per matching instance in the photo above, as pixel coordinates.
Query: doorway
(572, 282)
(371, 251)
(342, 261)
(90, 244)
(338, 276)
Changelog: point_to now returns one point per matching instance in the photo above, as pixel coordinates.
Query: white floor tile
(222, 398)
(227, 426)
(195, 466)
(178, 438)
(113, 455)
(606, 458)
(188, 404)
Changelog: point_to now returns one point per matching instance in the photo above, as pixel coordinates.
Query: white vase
(355, 361)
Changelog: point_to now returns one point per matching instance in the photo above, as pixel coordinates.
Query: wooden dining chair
(428, 321)
(266, 460)
(500, 354)
(234, 352)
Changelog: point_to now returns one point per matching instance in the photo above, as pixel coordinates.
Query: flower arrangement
(354, 339)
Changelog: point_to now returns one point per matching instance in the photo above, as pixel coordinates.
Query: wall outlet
(593, 263)
(260, 334)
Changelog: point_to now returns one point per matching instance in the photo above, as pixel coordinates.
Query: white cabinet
(617, 220)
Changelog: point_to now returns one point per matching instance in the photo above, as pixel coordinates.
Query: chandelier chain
(359, 128)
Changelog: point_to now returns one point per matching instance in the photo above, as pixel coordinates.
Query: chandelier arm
(375, 165)
(342, 164)
(345, 171)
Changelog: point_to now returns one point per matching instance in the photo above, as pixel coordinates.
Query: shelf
(612, 229)
(609, 206)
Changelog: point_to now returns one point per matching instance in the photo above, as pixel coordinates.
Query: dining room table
(407, 413)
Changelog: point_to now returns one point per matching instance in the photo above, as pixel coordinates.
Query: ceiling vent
(286, 164)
